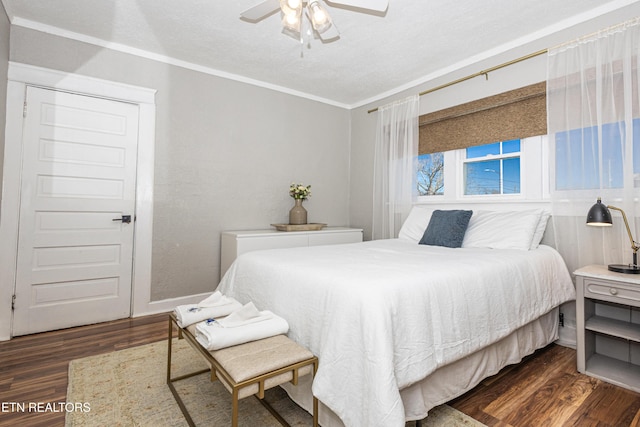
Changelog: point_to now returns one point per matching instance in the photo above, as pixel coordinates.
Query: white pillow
(502, 230)
(415, 224)
(540, 229)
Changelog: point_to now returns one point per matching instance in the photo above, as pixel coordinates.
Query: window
(496, 168)
(502, 171)
(578, 151)
(492, 168)
(430, 174)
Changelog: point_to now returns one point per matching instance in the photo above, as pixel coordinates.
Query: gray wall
(4, 64)
(225, 155)
(363, 124)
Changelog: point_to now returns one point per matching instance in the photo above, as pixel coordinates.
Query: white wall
(225, 155)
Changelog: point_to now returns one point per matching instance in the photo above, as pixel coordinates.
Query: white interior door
(75, 251)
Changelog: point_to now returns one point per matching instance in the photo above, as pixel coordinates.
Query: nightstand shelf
(613, 327)
(608, 325)
(614, 371)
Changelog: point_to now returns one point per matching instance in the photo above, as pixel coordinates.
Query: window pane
(511, 176)
(483, 150)
(577, 154)
(577, 167)
(512, 146)
(430, 177)
(499, 175)
(612, 155)
(482, 177)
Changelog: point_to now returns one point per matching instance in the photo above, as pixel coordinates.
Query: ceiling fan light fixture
(291, 7)
(319, 16)
(292, 22)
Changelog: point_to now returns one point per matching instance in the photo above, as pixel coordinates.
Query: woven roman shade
(519, 113)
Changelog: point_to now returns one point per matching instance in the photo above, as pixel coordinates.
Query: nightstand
(608, 325)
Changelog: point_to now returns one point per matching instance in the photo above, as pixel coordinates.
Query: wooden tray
(300, 227)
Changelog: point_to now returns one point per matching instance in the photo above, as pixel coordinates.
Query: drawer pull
(613, 291)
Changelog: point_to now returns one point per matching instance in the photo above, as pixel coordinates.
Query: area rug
(128, 388)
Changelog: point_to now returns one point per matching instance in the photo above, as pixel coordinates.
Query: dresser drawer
(236, 243)
(613, 292)
(335, 238)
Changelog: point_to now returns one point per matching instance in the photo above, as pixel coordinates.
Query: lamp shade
(599, 215)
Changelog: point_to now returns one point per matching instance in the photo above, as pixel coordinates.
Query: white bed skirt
(454, 379)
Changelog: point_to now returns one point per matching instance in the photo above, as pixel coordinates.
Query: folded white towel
(189, 314)
(248, 313)
(213, 300)
(213, 336)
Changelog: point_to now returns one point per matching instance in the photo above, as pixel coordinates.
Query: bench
(247, 369)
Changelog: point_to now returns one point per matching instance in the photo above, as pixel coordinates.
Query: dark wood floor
(33, 368)
(544, 390)
(547, 390)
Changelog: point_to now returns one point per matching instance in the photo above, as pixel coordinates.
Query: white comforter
(382, 315)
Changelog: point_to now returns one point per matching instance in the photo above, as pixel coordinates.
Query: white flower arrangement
(299, 191)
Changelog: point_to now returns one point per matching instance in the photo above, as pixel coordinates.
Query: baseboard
(567, 336)
(154, 307)
(167, 305)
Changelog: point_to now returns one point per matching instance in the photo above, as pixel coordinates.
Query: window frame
(534, 176)
(500, 157)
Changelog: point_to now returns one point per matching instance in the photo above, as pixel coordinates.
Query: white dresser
(235, 243)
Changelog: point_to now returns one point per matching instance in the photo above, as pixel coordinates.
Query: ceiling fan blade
(330, 34)
(260, 11)
(378, 5)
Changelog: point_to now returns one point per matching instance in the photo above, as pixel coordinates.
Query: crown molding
(56, 31)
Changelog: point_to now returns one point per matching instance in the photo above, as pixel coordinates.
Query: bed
(401, 327)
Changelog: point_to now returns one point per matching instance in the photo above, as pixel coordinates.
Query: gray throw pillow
(446, 228)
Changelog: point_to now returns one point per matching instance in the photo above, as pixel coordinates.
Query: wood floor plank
(552, 363)
(602, 399)
(581, 387)
(541, 406)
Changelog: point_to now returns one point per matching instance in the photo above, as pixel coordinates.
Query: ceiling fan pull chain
(302, 39)
(309, 36)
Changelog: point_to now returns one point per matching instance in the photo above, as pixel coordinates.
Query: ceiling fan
(293, 12)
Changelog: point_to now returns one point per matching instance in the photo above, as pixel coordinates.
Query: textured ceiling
(376, 54)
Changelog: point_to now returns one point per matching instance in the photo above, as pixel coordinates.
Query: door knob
(126, 219)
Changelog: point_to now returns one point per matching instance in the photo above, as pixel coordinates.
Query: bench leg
(170, 380)
(315, 411)
(315, 399)
(234, 409)
(170, 339)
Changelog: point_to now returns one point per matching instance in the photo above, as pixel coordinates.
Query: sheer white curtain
(594, 129)
(394, 166)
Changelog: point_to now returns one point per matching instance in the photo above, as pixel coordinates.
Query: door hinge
(24, 109)
(13, 302)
